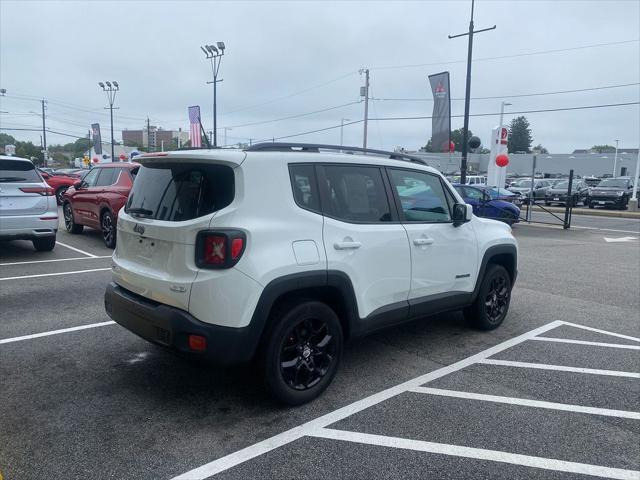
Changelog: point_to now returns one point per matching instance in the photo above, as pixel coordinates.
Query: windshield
(180, 191)
(614, 183)
(564, 185)
(18, 171)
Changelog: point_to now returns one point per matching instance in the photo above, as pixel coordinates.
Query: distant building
(155, 138)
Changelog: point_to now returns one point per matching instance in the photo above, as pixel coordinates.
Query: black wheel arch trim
(497, 254)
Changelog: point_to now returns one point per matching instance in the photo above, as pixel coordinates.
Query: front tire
(69, 223)
(492, 304)
(108, 227)
(301, 351)
(44, 244)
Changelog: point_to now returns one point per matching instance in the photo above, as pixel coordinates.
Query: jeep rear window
(18, 171)
(180, 191)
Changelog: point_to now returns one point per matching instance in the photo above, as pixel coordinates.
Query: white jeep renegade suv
(281, 252)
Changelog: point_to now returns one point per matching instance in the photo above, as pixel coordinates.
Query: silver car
(28, 209)
(523, 188)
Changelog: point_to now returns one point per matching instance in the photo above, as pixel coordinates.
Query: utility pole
(465, 132)
(214, 54)
(615, 158)
(111, 89)
(364, 92)
(44, 136)
(342, 128)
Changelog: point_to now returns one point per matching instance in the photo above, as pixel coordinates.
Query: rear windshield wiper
(140, 211)
(12, 179)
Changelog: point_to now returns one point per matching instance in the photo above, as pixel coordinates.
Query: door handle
(346, 245)
(422, 241)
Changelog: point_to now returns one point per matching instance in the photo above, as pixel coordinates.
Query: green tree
(31, 151)
(603, 148)
(519, 135)
(6, 140)
(540, 149)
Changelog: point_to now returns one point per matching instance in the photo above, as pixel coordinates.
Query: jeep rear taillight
(44, 191)
(219, 248)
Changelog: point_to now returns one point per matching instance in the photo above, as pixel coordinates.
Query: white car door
(443, 256)
(362, 239)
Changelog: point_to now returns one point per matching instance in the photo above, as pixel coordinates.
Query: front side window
(305, 187)
(355, 194)
(422, 196)
(89, 179)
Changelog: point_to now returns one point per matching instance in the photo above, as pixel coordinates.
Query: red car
(96, 200)
(59, 183)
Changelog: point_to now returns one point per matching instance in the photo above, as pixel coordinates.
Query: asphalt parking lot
(554, 393)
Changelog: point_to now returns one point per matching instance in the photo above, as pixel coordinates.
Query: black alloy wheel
(491, 306)
(496, 300)
(108, 227)
(301, 350)
(69, 223)
(306, 354)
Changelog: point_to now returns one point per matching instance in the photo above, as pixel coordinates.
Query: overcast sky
(289, 58)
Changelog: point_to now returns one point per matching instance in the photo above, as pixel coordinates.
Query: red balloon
(123, 157)
(95, 159)
(452, 146)
(502, 160)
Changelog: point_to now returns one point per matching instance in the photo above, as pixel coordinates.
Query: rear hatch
(21, 189)
(170, 202)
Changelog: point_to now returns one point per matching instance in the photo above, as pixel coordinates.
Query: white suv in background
(28, 208)
(281, 252)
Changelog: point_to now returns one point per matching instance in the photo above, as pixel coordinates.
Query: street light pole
(465, 132)
(111, 89)
(615, 160)
(504, 104)
(214, 55)
(342, 129)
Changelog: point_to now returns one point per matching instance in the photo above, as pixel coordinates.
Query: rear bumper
(28, 227)
(170, 327)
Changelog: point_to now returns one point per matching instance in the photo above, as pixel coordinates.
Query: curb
(588, 211)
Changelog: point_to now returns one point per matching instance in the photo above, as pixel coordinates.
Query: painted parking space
(556, 437)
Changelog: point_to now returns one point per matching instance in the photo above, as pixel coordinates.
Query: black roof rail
(316, 147)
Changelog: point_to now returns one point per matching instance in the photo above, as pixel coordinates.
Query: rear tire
(44, 244)
(301, 351)
(492, 304)
(108, 227)
(69, 223)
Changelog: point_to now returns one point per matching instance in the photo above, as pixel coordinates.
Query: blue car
(488, 204)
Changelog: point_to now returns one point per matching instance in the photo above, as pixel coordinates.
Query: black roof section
(317, 147)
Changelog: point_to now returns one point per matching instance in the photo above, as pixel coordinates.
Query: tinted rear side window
(305, 187)
(18, 171)
(181, 191)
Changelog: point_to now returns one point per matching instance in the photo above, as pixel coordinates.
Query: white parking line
(527, 403)
(260, 448)
(55, 332)
(55, 274)
(55, 260)
(76, 249)
(477, 453)
(585, 342)
(604, 332)
(558, 368)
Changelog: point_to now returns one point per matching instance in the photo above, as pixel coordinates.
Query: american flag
(194, 126)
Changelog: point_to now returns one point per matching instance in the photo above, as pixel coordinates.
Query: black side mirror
(461, 213)
(77, 185)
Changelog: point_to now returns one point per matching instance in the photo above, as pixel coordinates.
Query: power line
(515, 55)
(585, 107)
(518, 95)
(295, 116)
(299, 92)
